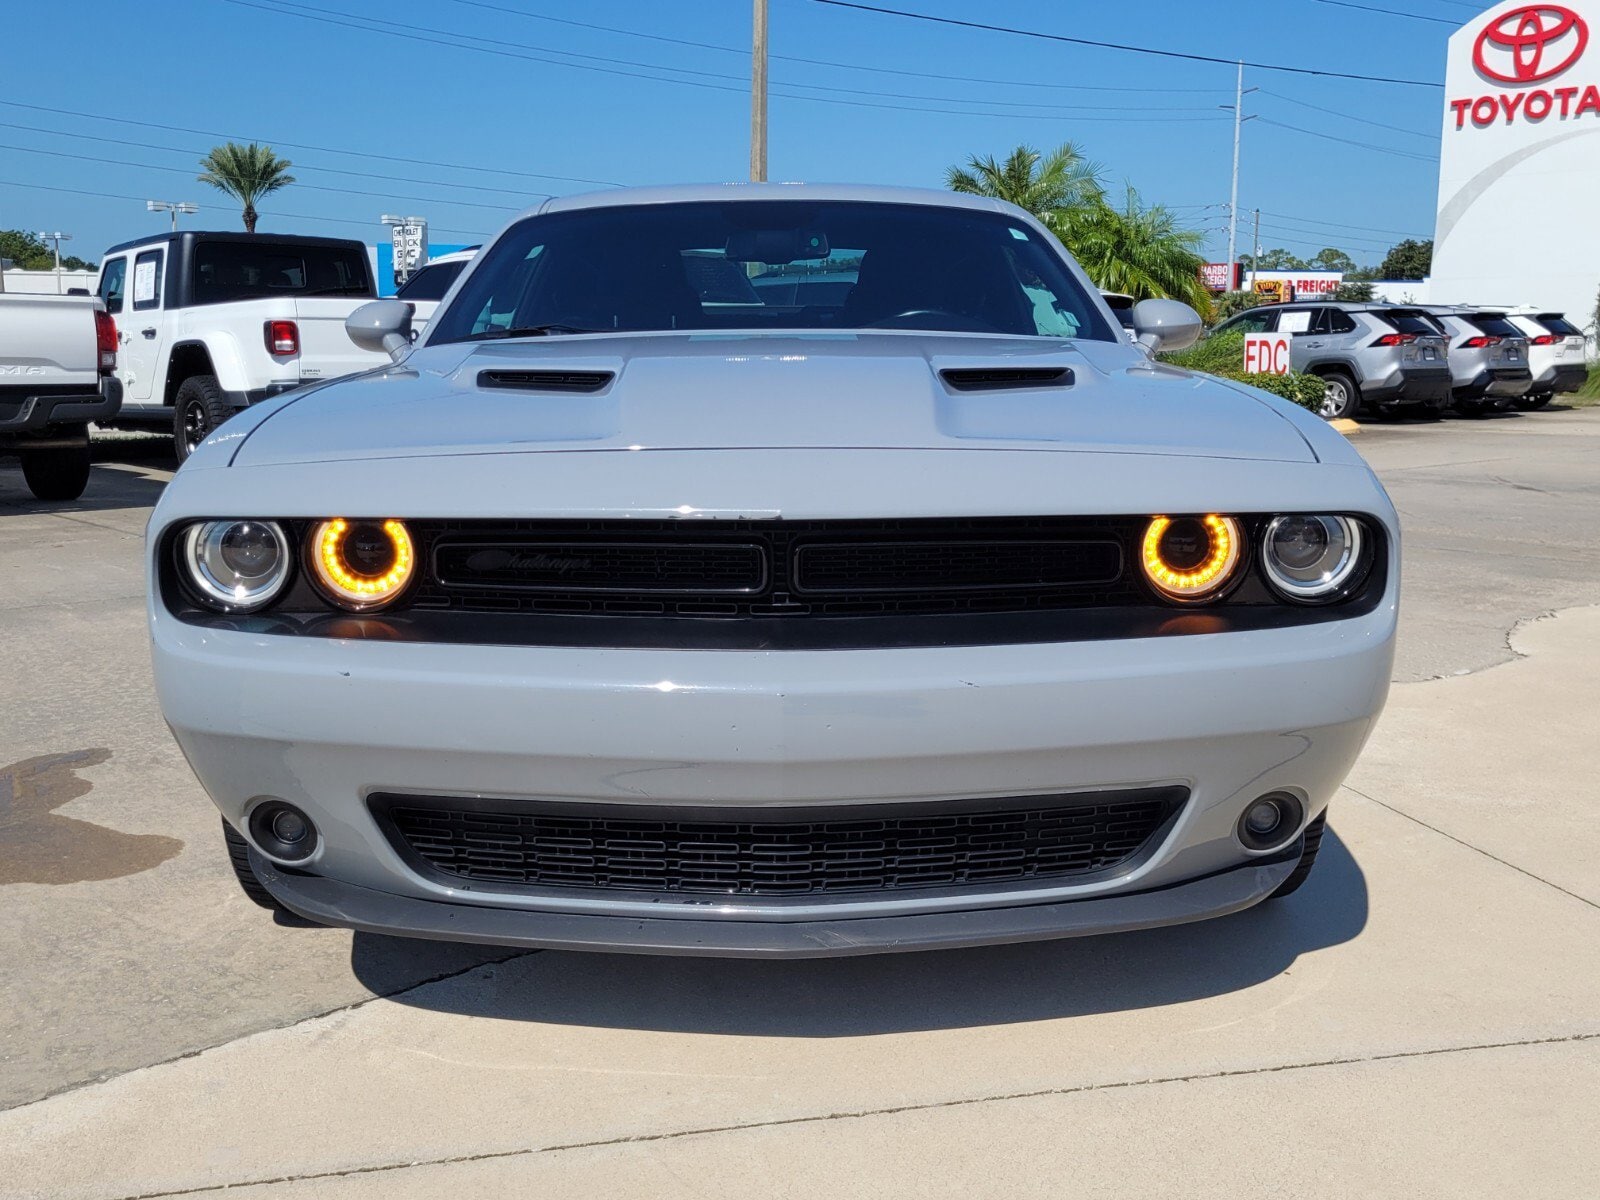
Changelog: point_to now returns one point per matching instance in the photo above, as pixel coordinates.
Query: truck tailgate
(48, 342)
(326, 350)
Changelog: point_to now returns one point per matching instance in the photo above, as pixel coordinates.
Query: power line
(1031, 84)
(407, 160)
(499, 47)
(1427, 158)
(40, 187)
(1076, 41)
(1335, 225)
(1432, 137)
(1389, 12)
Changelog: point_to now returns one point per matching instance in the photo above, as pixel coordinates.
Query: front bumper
(324, 724)
(350, 906)
(24, 418)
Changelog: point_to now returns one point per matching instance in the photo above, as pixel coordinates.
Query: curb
(1345, 426)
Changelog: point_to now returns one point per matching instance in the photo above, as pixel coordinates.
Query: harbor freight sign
(1521, 135)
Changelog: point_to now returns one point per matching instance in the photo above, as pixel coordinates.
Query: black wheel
(1529, 403)
(1310, 843)
(1473, 408)
(57, 474)
(1342, 399)
(197, 410)
(239, 859)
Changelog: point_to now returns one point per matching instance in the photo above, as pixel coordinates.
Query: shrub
(1223, 355)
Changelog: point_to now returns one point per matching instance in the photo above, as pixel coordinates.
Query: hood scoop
(1005, 379)
(545, 380)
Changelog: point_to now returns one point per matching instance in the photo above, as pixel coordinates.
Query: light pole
(172, 206)
(758, 94)
(1239, 119)
(58, 237)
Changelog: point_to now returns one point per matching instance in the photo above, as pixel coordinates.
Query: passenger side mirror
(382, 325)
(1166, 324)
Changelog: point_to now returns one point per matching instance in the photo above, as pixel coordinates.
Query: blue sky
(481, 85)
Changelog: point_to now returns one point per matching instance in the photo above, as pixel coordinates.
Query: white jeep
(211, 323)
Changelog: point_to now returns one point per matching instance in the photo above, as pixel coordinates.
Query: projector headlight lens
(1190, 559)
(1312, 559)
(361, 565)
(236, 566)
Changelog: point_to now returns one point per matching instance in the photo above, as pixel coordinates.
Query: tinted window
(147, 280)
(1559, 325)
(1495, 325)
(915, 267)
(225, 271)
(432, 282)
(1407, 321)
(113, 278)
(1257, 320)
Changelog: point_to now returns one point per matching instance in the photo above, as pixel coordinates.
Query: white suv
(210, 323)
(1556, 355)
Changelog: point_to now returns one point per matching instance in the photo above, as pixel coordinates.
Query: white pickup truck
(57, 358)
(213, 322)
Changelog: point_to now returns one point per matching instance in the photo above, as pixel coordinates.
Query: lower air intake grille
(511, 845)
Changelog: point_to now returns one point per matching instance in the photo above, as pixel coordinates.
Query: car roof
(223, 235)
(687, 193)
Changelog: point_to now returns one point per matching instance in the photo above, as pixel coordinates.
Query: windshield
(227, 271)
(771, 264)
(432, 282)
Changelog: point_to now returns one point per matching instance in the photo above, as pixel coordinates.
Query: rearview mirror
(382, 325)
(776, 246)
(1166, 324)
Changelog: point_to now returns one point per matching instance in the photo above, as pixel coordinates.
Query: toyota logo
(1531, 43)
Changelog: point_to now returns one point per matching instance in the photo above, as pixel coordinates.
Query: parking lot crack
(861, 1114)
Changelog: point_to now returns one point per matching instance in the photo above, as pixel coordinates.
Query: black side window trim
(155, 256)
(114, 303)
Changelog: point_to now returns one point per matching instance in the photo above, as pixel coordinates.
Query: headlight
(361, 565)
(1192, 558)
(1312, 558)
(236, 566)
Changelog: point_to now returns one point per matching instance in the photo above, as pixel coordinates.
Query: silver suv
(1488, 357)
(1385, 356)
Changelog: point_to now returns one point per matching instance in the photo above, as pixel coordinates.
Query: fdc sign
(1266, 353)
(1519, 168)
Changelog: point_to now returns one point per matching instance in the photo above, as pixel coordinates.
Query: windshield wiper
(528, 331)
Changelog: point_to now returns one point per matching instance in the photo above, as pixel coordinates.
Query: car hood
(770, 391)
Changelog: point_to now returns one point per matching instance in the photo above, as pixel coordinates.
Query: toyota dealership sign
(1519, 168)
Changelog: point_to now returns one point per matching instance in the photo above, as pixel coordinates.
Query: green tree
(1280, 259)
(1049, 186)
(1141, 251)
(28, 252)
(246, 173)
(1409, 259)
(1329, 259)
(1359, 291)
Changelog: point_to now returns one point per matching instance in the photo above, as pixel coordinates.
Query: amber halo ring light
(1190, 559)
(361, 565)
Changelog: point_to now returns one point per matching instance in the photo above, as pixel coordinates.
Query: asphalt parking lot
(1422, 1019)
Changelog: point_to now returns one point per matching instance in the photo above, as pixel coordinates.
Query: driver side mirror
(1166, 324)
(382, 325)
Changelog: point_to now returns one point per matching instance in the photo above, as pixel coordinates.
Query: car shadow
(898, 993)
(120, 478)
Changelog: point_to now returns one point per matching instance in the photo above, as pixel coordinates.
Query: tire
(1531, 403)
(197, 410)
(1343, 397)
(239, 859)
(58, 474)
(1310, 843)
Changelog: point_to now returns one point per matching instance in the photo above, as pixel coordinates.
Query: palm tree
(246, 173)
(1048, 186)
(1140, 251)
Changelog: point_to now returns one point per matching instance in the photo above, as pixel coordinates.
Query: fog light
(282, 832)
(1270, 822)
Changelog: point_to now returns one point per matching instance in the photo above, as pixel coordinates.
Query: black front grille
(511, 845)
(778, 568)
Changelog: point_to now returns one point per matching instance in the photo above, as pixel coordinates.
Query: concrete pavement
(1421, 1019)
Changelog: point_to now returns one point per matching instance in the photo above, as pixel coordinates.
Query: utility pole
(1233, 201)
(57, 237)
(1255, 244)
(758, 95)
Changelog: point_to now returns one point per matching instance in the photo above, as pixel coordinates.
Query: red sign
(1221, 277)
(1530, 44)
(1266, 353)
